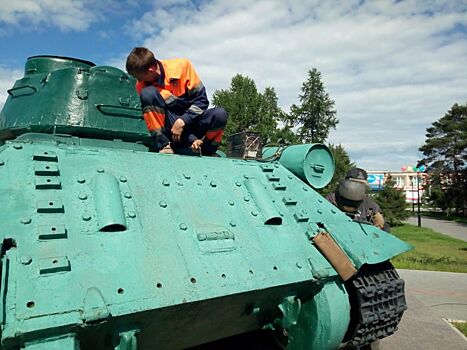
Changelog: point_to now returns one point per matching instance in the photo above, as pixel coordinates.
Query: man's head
(357, 174)
(142, 64)
(349, 195)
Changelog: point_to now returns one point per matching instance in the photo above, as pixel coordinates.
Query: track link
(377, 302)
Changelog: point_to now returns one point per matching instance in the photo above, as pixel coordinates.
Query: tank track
(377, 302)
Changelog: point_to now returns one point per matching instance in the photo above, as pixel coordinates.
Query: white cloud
(64, 14)
(392, 68)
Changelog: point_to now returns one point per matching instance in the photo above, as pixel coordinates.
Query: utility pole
(418, 202)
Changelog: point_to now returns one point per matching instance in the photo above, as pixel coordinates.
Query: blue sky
(392, 67)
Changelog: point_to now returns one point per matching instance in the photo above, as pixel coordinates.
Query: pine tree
(250, 110)
(392, 203)
(315, 115)
(445, 155)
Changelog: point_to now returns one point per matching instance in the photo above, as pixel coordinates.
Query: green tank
(105, 245)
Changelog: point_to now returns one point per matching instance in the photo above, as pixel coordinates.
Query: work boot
(167, 150)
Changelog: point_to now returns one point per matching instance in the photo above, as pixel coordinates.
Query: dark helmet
(350, 194)
(357, 174)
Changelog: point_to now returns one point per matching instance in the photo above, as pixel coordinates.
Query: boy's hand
(196, 145)
(177, 130)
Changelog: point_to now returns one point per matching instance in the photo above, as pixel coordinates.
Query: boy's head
(142, 64)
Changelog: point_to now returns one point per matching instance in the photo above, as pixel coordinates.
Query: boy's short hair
(139, 60)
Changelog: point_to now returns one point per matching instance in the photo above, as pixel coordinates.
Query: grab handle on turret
(131, 112)
(10, 91)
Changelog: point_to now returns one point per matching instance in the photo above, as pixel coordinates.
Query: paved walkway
(431, 296)
(450, 228)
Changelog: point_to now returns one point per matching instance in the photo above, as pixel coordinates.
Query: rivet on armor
(86, 217)
(213, 184)
(127, 195)
(187, 176)
(17, 146)
(81, 180)
(26, 260)
(231, 202)
(132, 214)
(233, 223)
(83, 196)
(333, 211)
(254, 213)
(246, 176)
(319, 211)
(290, 176)
(26, 221)
(305, 188)
(2, 162)
(100, 170)
(299, 265)
(183, 227)
(202, 237)
(166, 182)
(238, 184)
(163, 204)
(122, 179)
(246, 199)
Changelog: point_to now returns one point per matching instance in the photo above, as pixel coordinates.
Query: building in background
(410, 181)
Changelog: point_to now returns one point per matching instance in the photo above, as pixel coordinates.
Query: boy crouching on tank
(175, 105)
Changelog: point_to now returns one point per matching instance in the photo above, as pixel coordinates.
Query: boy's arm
(196, 95)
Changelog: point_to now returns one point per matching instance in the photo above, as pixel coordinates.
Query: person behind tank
(351, 198)
(175, 105)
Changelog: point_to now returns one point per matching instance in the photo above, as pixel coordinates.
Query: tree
(250, 110)
(315, 115)
(392, 202)
(343, 165)
(445, 156)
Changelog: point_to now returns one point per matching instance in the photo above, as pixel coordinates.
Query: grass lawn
(462, 326)
(433, 251)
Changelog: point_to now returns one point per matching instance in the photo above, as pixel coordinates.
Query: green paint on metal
(328, 307)
(68, 342)
(127, 341)
(47, 64)
(290, 308)
(312, 163)
(108, 201)
(73, 97)
(205, 239)
(264, 201)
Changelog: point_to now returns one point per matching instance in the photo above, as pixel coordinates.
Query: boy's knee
(150, 96)
(221, 116)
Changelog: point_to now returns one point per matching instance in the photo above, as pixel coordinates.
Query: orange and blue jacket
(182, 90)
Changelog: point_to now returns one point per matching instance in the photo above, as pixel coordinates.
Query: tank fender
(372, 247)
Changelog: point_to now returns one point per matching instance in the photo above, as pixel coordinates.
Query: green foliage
(445, 156)
(343, 165)
(433, 251)
(392, 203)
(315, 115)
(250, 110)
(462, 326)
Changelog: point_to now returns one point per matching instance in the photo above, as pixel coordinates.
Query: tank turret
(104, 245)
(61, 95)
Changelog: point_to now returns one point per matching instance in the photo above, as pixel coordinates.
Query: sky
(392, 67)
